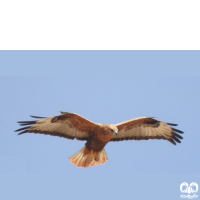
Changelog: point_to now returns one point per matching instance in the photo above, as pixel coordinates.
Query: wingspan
(67, 125)
(145, 128)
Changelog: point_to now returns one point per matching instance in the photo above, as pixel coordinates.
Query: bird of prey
(71, 125)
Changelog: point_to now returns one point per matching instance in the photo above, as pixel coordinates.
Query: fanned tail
(85, 158)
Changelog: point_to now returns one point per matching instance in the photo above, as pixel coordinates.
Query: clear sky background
(105, 87)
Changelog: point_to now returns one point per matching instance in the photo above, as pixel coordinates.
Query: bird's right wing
(67, 125)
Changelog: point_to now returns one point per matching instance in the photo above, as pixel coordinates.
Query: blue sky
(105, 87)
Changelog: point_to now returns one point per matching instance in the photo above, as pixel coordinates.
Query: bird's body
(71, 125)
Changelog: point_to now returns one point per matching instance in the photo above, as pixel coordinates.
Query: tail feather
(92, 163)
(85, 158)
(76, 158)
(103, 158)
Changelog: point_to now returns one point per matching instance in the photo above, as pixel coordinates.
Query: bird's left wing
(145, 128)
(67, 125)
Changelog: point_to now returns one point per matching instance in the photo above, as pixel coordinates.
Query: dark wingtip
(21, 129)
(172, 141)
(176, 139)
(36, 117)
(64, 112)
(22, 132)
(172, 124)
(177, 135)
(178, 131)
(27, 125)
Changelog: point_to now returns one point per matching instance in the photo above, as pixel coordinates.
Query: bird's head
(113, 129)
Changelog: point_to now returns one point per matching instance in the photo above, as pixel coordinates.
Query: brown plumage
(71, 125)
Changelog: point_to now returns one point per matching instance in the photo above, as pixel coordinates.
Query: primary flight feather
(71, 125)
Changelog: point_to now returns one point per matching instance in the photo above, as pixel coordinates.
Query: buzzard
(71, 125)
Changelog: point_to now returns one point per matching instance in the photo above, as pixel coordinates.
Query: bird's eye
(112, 130)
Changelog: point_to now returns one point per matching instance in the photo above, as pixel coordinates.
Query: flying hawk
(71, 125)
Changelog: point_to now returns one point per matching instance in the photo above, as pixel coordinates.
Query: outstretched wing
(145, 128)
(67, 125)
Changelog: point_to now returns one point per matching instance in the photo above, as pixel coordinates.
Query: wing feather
(67, 125)
(145, 128)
